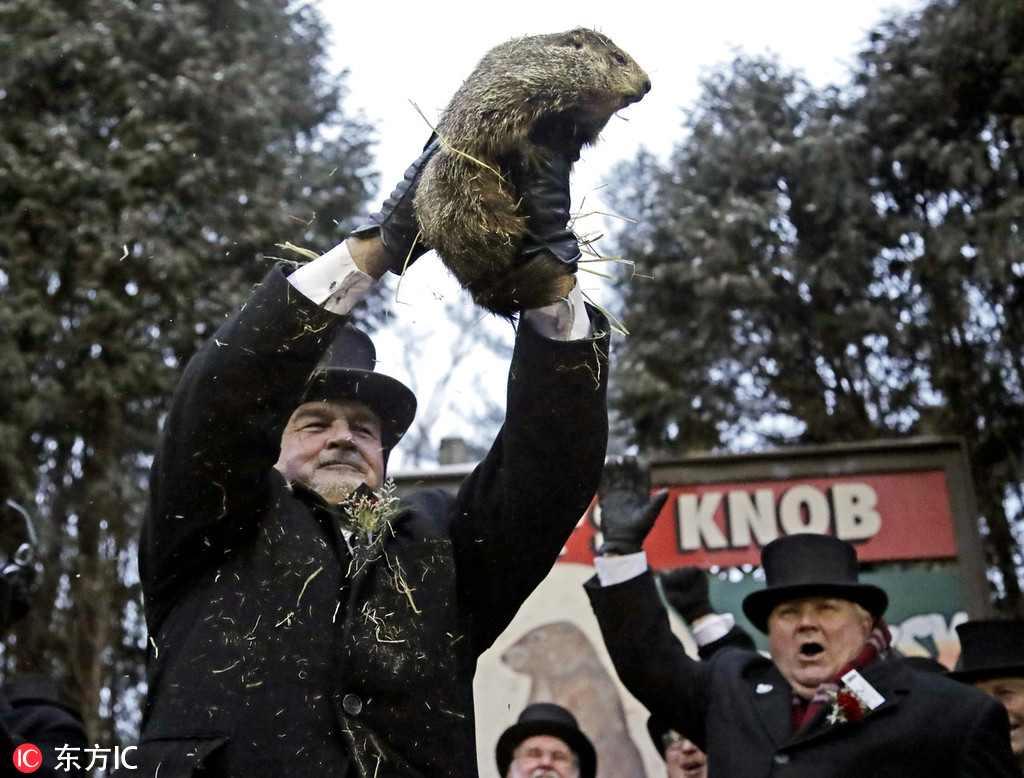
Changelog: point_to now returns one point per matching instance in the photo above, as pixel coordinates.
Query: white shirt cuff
(712, 627)
(564, 319)
(332, 280)
(616, 569)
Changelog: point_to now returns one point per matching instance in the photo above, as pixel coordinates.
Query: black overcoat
(274, 649)
(737, 707)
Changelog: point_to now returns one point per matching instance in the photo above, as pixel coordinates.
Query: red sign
(887, 516)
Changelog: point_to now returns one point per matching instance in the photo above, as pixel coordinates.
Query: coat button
(352, 705)
(782, 759)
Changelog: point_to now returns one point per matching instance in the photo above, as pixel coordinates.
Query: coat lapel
(772, 701)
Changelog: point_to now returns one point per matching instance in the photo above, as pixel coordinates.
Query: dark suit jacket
(736, 707)
(273, 651)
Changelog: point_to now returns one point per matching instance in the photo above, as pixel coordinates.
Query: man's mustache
(341, 458)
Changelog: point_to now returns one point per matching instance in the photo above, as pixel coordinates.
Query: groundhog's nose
(646, 85)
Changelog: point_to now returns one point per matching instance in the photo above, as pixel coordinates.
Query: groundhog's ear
(574, 38)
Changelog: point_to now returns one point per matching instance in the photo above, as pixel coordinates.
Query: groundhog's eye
(619, 57)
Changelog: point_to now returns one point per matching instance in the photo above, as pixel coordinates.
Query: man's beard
(330, 489)
(336, 486)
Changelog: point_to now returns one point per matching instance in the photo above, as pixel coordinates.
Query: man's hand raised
(628, 510)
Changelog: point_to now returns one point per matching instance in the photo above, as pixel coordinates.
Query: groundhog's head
(595, 80)
(566, 85)
(558, 649)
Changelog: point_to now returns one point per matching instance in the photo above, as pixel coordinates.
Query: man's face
(332, 447)
(810, 639)
(543, 756)
(1010, 692)
(682, 757)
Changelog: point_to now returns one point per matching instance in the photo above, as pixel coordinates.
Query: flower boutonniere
(845, 706)
(367, 512)
(853, 699)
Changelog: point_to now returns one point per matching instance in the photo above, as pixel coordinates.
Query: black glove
(396, 220)
(542, 182)
(686, 589)
(628, 512)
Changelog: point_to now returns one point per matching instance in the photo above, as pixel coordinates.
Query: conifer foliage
(841, 264)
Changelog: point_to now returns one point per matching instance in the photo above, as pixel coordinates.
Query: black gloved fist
(542, 182)
(628, 511)
(686, 590)
(396, 220)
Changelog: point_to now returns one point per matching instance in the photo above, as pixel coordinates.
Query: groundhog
(564, 668)
(566, 86)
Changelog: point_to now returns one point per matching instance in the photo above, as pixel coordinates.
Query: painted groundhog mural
(564, 668)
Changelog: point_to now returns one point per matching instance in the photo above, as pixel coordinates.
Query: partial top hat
(546, 718)
(990, 649)
(658, 730)
(810, 565)
(346, 371)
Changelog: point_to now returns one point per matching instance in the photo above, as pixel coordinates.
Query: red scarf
(875, 647)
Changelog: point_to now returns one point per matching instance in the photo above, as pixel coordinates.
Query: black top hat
(546, 718)
(810, 565)
(346, 371)
(990, 649)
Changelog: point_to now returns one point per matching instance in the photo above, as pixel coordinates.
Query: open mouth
(811, 649)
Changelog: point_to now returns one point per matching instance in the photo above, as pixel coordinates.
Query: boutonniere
(367, 512)
(853, 700)
(845, 707)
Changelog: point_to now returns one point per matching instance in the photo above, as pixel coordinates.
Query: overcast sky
(400, 55)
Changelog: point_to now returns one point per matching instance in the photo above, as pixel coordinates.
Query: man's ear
(870, 622)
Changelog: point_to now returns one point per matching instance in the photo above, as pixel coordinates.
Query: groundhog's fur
(566, 85)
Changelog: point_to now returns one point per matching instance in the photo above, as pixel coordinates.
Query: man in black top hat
(992, 660)
(302, 620)
(546, 742)
(827, 701)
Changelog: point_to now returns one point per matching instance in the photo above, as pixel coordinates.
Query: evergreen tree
(942, 110)
(818, 266)
(753, 287)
